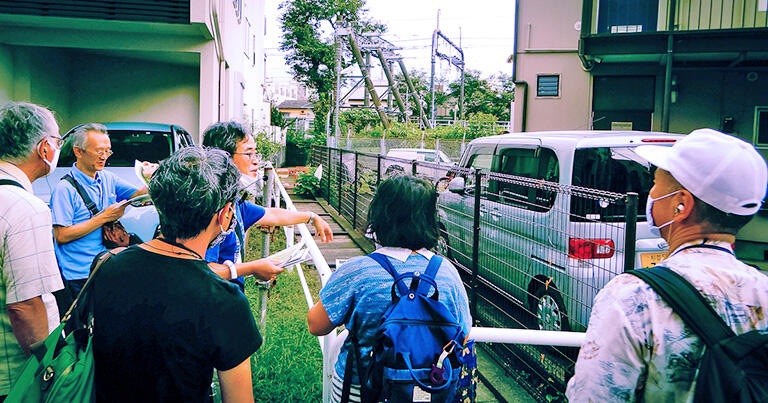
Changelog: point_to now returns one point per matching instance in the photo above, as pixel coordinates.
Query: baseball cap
(723, 171)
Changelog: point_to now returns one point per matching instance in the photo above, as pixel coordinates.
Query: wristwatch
(312, 216)
(232, 269)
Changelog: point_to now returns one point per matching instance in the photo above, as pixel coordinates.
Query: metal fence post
(414, 167)
(354, 196)
(476, 243)
(338, 178)
(328, 183)
(630, 230)
(378, 170)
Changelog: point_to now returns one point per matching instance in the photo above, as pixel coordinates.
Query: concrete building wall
(547, 43)
(705, 97)
(137, 90)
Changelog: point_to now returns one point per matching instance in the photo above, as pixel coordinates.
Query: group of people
(171, 310)
(166, 317)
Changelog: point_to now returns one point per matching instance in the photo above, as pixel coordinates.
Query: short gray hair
(22, 127)
(80, 135)
(189, 187)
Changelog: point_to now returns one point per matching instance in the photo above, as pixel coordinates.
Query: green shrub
(307, 184)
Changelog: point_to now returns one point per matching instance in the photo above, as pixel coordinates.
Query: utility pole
(412, 89)
(340, 30)
(458, 62)
(385, 64)
(368, 83)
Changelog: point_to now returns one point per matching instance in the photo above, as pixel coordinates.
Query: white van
(551, 248)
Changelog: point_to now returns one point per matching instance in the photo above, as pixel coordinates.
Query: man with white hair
(29, 149)
(707, 187)
(77, 231)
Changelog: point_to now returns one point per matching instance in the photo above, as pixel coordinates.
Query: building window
(548, 85)
(761, 126)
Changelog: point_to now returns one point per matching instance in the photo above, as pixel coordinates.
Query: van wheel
(550, 310)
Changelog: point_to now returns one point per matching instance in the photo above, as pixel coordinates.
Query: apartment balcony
(732, 31)
(164, 11)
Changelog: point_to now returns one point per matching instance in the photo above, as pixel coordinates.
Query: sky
(486, 28)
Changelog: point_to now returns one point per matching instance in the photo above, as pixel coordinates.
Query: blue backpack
(415, 355)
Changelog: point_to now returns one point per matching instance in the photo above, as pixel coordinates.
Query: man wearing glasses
(233, 138)
(29, 149)
(77, 231)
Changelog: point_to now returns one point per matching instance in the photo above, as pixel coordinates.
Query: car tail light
(658, 140)
(590, 248)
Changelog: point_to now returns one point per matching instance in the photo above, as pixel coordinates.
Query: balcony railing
(634, 16)
(168, 11)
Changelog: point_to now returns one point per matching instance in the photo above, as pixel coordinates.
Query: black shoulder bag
(733, 368)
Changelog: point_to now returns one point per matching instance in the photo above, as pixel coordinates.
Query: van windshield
(128, 146)
(615, 169)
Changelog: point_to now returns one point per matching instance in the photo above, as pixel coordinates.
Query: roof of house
(295, 104)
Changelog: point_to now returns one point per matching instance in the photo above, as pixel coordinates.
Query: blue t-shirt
(68, 209)
(247, 214)
(359, 292)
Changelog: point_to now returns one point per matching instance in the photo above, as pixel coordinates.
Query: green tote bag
(61, 369)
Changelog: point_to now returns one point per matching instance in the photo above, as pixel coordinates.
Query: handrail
(331, 343)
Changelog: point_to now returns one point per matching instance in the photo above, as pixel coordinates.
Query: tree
(308, 27)
(480, 96)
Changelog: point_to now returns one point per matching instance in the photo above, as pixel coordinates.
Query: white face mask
(252, 185)
(55, 160)
(655, 230)
(224, 234)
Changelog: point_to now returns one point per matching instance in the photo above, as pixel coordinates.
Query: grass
(288, 366)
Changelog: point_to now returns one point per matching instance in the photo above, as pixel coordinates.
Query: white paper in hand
(138, 169)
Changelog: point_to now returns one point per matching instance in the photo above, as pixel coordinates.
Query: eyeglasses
(253, 155)
(100, 153)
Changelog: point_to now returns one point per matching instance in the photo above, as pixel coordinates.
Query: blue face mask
(655, 230)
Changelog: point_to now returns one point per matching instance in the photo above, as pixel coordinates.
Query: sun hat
(721, 170)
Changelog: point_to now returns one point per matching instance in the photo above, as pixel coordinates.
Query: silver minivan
(550, 244)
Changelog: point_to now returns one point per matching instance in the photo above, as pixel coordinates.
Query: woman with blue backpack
(405, 308)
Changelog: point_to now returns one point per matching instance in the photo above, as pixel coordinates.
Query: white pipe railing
(331, 343)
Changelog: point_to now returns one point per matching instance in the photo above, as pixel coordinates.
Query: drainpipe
(586, 28)
(219, 52)
(524, 84)
(668, 67)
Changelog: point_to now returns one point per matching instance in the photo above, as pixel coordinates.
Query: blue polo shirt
(229, 249)
(68, 208)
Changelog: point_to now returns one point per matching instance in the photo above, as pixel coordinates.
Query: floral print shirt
(637, 349)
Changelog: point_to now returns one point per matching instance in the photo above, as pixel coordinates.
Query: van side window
(479, 158)
(617, 169)
(531, 163)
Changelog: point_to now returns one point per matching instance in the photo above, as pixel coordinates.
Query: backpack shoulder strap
(429, 274)
(686, 302)
(10, 182)
(89, 204)
(384, 262)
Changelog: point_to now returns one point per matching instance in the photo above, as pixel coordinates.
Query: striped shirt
(28, 264)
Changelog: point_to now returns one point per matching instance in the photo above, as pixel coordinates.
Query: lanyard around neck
(706, 246)
(180, 246)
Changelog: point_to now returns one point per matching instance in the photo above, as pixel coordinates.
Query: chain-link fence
(532, 253)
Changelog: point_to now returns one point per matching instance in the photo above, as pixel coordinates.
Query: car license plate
(650, 259)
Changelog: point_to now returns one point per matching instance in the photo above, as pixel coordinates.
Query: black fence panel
(532, 253)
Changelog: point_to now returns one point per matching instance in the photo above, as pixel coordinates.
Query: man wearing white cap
(707, 186)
